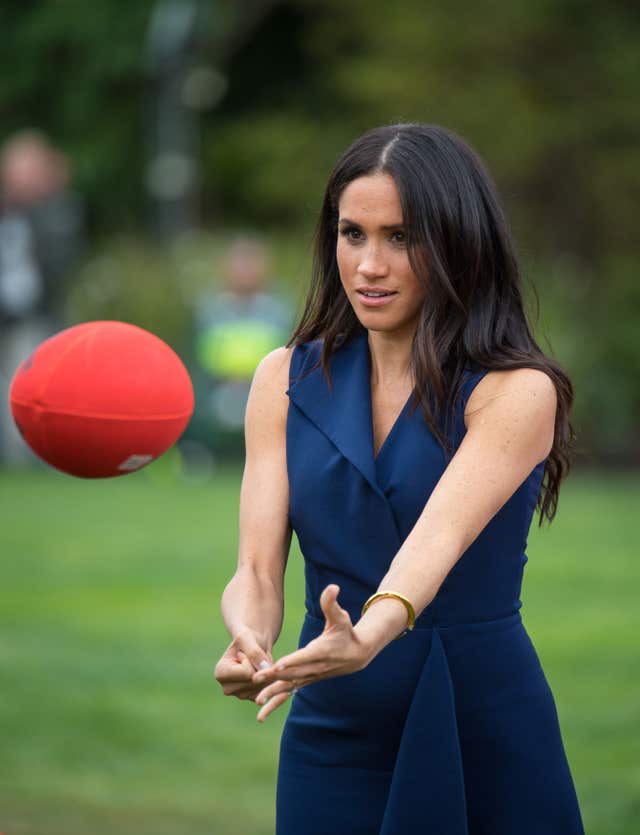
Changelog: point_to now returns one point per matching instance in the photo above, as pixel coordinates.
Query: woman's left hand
(337, 651)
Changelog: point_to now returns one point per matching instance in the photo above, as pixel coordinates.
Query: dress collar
(343, 413)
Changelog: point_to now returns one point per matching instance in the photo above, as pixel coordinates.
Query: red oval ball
(101, 399)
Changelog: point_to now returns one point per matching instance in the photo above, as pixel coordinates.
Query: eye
(351, 233)
(399, 237)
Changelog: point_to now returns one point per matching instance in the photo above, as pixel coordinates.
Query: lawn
(111, 719)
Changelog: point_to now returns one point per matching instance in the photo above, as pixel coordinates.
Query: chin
(378, 324)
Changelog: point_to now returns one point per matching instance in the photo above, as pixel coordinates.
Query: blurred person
(40, 240)
(412, 522)
(234, 329)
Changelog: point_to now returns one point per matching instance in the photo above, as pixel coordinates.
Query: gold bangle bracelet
(379, 595)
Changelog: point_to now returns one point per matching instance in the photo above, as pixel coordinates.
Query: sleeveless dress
(452, 729)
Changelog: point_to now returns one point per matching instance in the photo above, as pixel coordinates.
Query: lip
(375, 302)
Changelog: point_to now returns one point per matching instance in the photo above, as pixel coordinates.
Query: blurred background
(163, 163)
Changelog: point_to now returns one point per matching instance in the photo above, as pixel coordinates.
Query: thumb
(333, 611)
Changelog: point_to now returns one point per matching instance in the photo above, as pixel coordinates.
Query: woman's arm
(252, 602)
(510, 420)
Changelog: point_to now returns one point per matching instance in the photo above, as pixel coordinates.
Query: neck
(390, 358)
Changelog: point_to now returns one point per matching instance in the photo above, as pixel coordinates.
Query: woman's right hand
(234, 671)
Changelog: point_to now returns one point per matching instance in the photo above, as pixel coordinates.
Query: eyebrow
(346, 220)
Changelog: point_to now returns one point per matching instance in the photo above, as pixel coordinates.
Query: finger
(309, 672)
(251, 649)
(244, 663)
(287, 669)
(244, 689)
(240, 692)
(276, 689)
(271, 705)
(329, 597)
(230, 672)
(312, 653)
(264, 664)
(237, 681)
(334, 614)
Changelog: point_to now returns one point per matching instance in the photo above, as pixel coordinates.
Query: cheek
(416, 294)
(345, 260)
(414, 287)
(419, 295)
(418, 291)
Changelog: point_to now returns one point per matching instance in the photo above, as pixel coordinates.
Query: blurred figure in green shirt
(234, 328)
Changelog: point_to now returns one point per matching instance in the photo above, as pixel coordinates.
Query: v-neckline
(376, 456)
(391, 432)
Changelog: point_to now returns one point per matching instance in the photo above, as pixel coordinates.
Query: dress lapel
(344, 413)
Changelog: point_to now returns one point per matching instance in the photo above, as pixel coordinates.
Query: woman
(405, 433)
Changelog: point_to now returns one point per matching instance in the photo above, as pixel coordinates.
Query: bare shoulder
(273, 369)
(520, 397)
(267, 397)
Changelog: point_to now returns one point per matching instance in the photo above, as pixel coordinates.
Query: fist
(234, 671)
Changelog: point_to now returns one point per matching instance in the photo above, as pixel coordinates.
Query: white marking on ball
(134, 462)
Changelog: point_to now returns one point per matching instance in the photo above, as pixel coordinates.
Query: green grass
(111, 720)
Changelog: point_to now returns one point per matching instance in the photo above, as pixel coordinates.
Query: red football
(101, 399)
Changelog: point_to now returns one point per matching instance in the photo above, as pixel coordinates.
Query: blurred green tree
(546, 92)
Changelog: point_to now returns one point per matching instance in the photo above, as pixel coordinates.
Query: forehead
(372, 199)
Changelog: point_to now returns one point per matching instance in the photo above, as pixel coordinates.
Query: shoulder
(268, 401)
(286, 365)
(267, 407)
(520, 399)
(272, 372)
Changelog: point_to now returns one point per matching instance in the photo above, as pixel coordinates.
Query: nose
(372, 263)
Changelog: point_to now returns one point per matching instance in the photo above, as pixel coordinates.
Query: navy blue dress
(452, 729)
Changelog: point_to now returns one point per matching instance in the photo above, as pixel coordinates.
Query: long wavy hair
(460, 248)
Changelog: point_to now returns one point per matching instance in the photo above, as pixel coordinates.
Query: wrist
(382, 623)
(263, 638)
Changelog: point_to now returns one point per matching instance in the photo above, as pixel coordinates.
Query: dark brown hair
(460, 247)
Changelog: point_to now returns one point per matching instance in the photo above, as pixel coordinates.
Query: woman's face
(372, 256)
